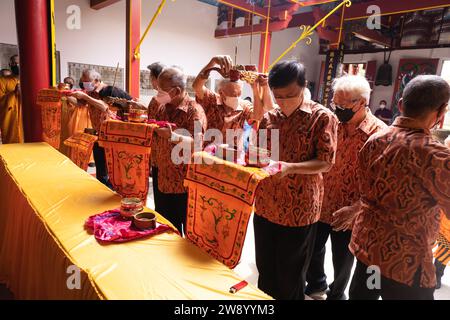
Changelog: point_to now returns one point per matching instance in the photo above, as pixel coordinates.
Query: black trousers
(440, 269)
(282, 258)
(342, 262)
(173, 207)
(100, 165)
(156, 193)
(389, 289)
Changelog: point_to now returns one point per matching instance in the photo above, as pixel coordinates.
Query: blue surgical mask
(88, 86)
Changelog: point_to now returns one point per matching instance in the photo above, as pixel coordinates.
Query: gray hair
(425, 94)
(176, 76)
(358, 86)
(92, 74)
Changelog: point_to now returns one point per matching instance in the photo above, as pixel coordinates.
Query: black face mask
(344, 115)
(15, 70)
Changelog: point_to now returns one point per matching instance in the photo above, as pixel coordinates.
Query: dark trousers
(389, 289)
(156, 193)
(282, 258)
(342, 262)
(440, 268)
(173, 207)
(100, 165)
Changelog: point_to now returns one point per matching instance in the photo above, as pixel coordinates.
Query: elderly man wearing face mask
(288, 204)
(357, 124)
(11, 125)
(404, 187)
(225, 109)
(177, 108)
(99, 112)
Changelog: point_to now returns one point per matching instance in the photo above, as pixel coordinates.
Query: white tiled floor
(247, 267)
(248, 271)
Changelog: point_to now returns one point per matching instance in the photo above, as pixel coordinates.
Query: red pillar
(32, 19)
(133, 38)
(264, 52)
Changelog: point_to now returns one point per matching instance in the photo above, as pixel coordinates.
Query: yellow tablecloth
(44, 202)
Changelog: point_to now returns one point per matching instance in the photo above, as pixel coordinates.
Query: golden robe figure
(11, 124)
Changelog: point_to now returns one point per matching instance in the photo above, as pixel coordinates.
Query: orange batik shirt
(222, 117)
(309, 133)
(170, 175)
(153, 108)
(406, 182)
(341, 183)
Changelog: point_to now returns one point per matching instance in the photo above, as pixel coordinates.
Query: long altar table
(44, 202)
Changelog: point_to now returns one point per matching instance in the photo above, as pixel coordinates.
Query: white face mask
(382, 106)
(88, 86)
(232, 102)
(163, 97)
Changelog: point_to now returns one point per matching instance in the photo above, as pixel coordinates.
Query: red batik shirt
(341, 183)
(222, 117)
(405, 181)
(153, 109)
(309, 133)
(170, 175)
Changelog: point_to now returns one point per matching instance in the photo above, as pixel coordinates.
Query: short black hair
(425, 94)
(286, 72)
(114, 92)
(156, 69)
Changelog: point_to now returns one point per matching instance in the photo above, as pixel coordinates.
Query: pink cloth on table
(109, 226)
(162, 124)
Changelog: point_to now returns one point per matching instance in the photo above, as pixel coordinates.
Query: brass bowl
(129, 207)
(145, 221)
(138, 115)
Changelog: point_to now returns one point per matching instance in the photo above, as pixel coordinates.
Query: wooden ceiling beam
(100, 4)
